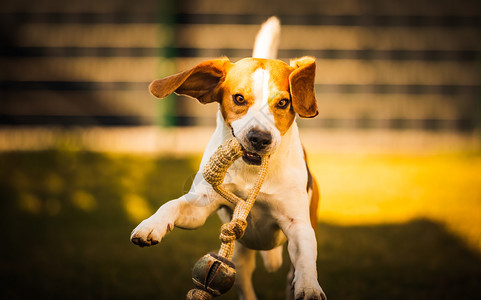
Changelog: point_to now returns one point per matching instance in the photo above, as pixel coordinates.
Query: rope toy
(214, 274)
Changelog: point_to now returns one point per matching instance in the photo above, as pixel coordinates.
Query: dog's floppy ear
(200, 82)
(301, 83)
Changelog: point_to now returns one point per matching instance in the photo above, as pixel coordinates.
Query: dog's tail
(267, 39)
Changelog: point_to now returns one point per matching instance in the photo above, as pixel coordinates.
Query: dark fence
(381, 64)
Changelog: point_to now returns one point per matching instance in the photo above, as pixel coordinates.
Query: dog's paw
(314, 292)
(150, 232)
(311, 294)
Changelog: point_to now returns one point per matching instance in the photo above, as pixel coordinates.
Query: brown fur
(313, 206)
(302, 87)
(312, 186)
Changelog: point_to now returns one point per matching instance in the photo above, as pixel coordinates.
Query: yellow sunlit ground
(373, 189)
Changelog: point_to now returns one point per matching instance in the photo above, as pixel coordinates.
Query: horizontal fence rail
(380, 64)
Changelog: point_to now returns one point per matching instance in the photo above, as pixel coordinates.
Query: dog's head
(258, 98)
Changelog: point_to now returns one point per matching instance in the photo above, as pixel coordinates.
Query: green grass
(66, 218)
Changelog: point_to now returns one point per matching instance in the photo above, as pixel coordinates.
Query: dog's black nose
(259, 140)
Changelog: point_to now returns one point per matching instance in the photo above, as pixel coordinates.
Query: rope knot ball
(212, 275)
(233, 230)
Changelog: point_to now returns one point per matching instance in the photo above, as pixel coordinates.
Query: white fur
(267, 40)
(281, 210)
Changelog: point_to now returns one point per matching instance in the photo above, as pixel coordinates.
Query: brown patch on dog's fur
(283, 117)
(315, 194)
(302, 87)
(314, 205)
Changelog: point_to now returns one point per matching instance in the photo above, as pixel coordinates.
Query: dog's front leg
(302, 248)
(189, 212)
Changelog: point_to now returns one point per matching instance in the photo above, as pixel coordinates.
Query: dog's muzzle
(258, 141)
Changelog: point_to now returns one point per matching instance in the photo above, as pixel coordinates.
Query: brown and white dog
(258, 101)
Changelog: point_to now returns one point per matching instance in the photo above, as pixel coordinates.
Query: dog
(258, 98)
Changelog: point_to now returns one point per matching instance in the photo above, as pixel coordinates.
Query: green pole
(167, 10)
(477, 101)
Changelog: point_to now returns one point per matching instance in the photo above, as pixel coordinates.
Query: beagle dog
(258, 100)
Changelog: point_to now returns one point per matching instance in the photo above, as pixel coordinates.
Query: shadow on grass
(56, 247)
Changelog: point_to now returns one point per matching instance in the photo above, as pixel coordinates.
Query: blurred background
(86, 152)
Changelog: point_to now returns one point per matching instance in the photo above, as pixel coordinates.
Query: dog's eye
(239, 99)
(284, 103)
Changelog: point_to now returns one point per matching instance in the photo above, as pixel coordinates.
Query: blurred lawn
(396, 227)
(374, 189)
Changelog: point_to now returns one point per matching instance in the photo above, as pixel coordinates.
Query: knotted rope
(214, 173)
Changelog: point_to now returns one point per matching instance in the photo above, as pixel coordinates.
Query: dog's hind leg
(272, 258)
(245, 263)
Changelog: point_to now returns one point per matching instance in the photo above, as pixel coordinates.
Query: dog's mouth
(252, 158)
